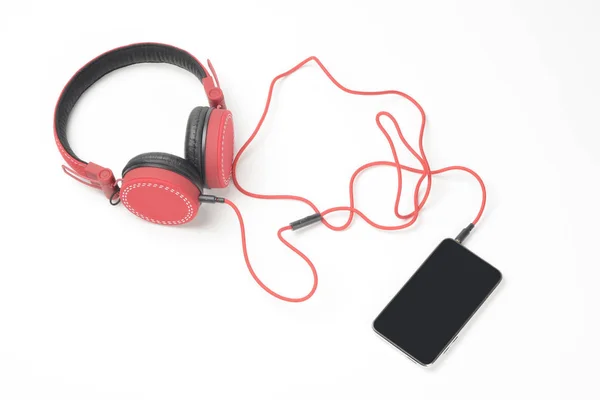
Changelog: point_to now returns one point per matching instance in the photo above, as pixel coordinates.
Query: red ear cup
(161, 188)
(218, 152)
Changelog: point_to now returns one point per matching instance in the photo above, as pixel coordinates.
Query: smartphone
(427, 314)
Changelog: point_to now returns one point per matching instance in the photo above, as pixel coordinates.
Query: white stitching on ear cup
(226, 180)
(190, 208)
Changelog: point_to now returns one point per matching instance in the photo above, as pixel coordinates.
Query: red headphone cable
(426, 173)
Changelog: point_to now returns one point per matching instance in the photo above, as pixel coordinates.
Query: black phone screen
(437, 301)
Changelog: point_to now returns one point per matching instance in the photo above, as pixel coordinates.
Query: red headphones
(158, 187)
(166, 189)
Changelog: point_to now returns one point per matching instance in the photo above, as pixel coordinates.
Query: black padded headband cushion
(194, 143)
(110, 61)
(166, 161)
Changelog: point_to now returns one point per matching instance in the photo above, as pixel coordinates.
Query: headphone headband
(111, 61)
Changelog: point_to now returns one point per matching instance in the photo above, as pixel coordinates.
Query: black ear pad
(195, 137)
(166, 161)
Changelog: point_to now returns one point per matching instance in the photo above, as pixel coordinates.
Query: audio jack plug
(464, 233)
(207, 198)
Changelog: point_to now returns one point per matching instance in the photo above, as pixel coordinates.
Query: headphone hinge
(216, 99)
(104, 177)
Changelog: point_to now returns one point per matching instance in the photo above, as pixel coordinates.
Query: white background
(97, 304)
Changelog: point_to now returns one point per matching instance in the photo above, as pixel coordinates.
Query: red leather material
(76, 165)
(219, 149)
(160, 196)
